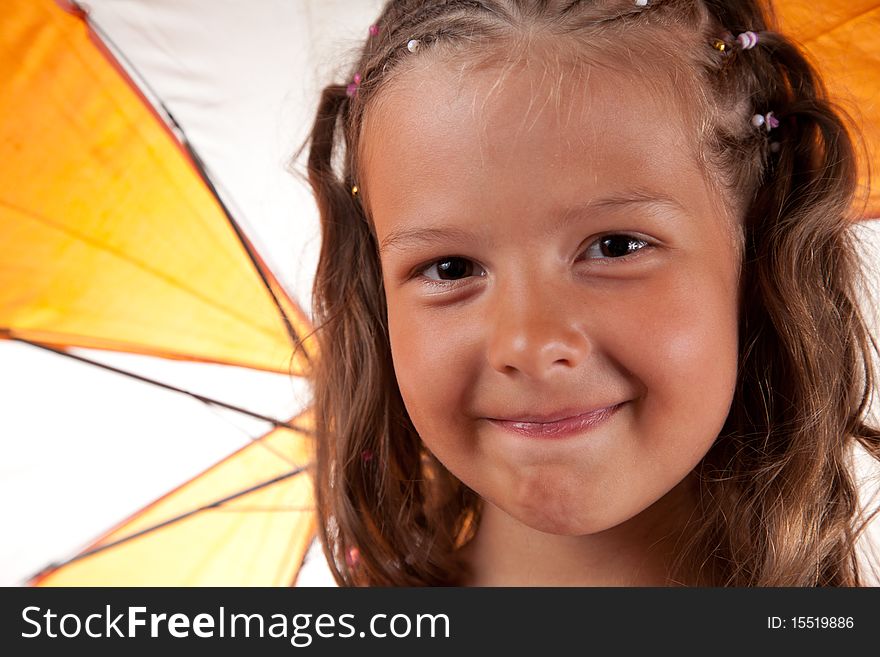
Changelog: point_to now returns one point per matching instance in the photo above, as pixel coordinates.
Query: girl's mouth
(560, 428)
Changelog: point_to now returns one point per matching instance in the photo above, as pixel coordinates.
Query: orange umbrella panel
(111, 238)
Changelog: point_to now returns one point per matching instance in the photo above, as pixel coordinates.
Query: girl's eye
(615, 246)
(452, 269)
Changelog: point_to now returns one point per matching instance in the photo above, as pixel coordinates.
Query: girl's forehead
(519, 124)
(539, 80)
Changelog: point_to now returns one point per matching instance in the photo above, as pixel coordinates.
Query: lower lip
(560, 428)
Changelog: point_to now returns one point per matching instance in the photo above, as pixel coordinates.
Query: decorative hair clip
(413, 45)
(747, 40)
(352, 88)
(767, 120)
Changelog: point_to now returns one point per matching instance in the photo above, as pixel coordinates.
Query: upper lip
(553, 416)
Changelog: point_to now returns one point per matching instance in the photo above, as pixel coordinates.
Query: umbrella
(148, 250)
(167, 268)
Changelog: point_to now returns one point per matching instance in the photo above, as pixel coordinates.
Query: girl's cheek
(430, 347)
(418, 346)
(683, 351)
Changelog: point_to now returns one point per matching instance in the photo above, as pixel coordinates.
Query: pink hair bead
(374, 30)
(747, 40)
(352, 557)
(352, 88)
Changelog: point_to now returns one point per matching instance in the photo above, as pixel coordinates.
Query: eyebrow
(408, 237)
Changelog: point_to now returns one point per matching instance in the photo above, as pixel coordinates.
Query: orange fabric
(841, 36)
(258, 539)
(110, 239)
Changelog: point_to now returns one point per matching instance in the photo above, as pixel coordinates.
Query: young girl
(587, 301)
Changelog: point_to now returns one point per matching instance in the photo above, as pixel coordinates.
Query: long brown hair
(779, 504)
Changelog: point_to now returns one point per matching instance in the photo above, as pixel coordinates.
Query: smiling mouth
(558, 428)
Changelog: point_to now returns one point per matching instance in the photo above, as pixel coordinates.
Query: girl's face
(549, 250)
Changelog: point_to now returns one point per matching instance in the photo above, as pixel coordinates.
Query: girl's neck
(638, 552)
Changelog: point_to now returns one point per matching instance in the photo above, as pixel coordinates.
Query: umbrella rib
(171, 521)
(202, 169)
(167, 386)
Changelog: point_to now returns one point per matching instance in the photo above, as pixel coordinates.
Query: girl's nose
(536, 332)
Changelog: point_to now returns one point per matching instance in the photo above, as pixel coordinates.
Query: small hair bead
(354, 191)
(374, 30)
(747, 40)
(768, 120)
(719, 45)
(413, 45)
(352, 557)
(641, 3)
(352, 87)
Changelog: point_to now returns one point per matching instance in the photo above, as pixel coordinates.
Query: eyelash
(645, 244)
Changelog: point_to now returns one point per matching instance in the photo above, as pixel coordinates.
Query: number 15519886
(810, 622)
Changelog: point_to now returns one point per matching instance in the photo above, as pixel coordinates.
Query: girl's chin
(567, 527)
(564, 523)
